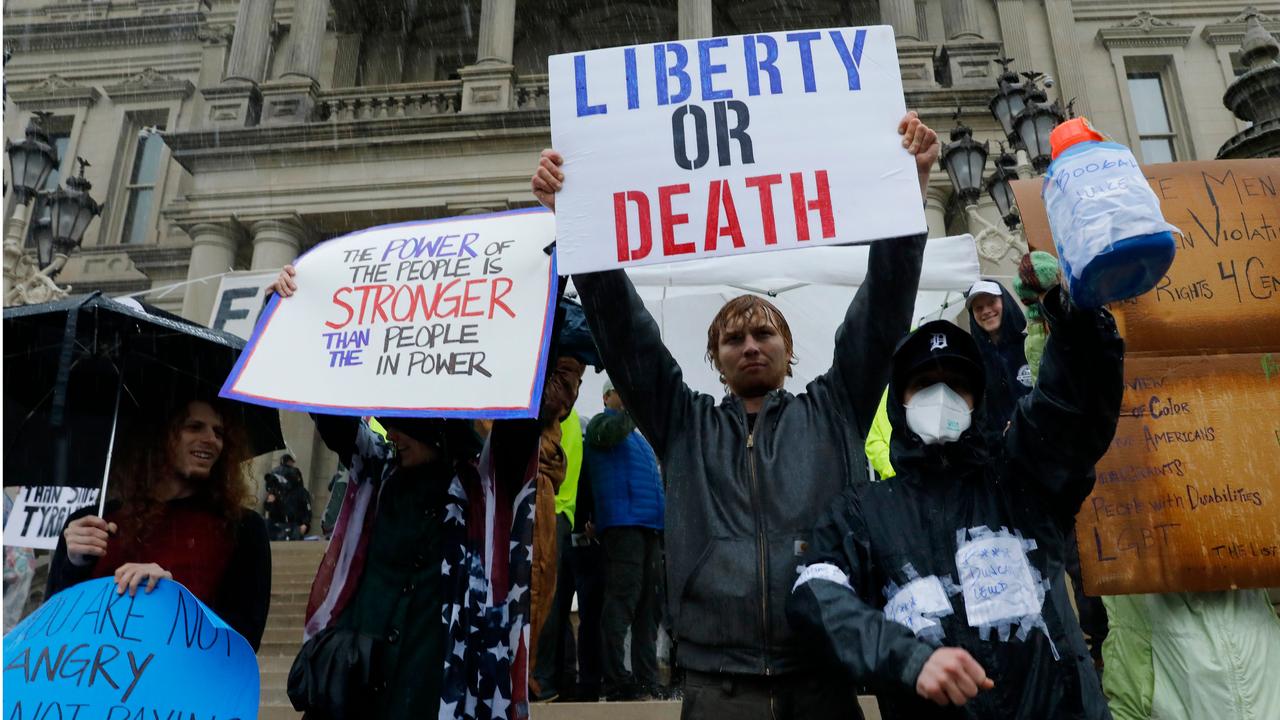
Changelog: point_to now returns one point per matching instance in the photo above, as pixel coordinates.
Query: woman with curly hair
(179, 510)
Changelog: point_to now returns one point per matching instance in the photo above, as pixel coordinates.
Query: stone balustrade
(374, 102)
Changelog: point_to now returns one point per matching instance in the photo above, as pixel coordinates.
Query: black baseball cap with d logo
(938, 345)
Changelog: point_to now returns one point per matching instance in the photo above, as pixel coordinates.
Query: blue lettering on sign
(852, 57)
(768, 64)
(677, 71)
(633, 86)
(803, 41)
(708, 71)
(580, 82)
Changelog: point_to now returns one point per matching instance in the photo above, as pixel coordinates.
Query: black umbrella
(66, 363)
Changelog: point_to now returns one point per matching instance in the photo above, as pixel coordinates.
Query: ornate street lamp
(31, 160)
(999, 189)
(964, 160)
(71, 209)
(1010, 98)
(42, 237)
(1034, 122)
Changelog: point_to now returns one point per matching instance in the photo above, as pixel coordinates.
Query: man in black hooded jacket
(998, 327)
(943, 589)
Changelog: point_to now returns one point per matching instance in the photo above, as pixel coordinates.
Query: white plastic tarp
(812, 288)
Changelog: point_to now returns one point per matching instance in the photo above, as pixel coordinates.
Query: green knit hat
(1037, 272)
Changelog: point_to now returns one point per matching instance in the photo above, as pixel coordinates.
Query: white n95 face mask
(938, 414)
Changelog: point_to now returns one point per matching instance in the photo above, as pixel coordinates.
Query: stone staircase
(293, 566)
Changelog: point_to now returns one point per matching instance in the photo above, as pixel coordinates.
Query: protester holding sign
(746, 477)
(945, 585)
(425, 590)
(180, 512)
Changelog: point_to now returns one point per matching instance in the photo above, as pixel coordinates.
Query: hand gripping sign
(730, 145)
(441, 318)
(90, 653)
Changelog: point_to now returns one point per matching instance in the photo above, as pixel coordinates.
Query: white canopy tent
(812, 288)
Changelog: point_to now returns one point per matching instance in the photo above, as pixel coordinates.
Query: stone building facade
(235, 134)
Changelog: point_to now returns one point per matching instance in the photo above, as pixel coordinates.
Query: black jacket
(1005, 362)
(1032, 486)
(741, 505)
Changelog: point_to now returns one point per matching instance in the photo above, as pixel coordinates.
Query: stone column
(1067, 55)
(307, 31)
(497, 32)
(1013, 33)
(961, 19)
(489, 84)
(213, 251)
(901, 14)
(251, 44)
(292, 97)
(276, 242)
(935, 210)
(237, 102)
(694, 19)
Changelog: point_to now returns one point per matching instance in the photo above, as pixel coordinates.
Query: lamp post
(71, 210)
(31, 161)
(1026, 117)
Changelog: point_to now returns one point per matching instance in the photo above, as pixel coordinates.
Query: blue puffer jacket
(622, 472)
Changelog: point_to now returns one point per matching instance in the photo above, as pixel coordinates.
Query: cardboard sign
(1185, 498)
(40, 513)
(239, 302)
(730, 145)
(92, 654)
(1188, 497)
(441, 318)
(1223, 291)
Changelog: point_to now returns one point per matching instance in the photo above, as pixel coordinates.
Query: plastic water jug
(1112, 240)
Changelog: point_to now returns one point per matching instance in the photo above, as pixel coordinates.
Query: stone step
(278, 713)
(283, 635)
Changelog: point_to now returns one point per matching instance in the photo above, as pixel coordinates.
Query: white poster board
(239, 301)
(40, 513)
(439, 318)
(730, 145)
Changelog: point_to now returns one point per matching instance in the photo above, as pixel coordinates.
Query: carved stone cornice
(1145, 30)
(90, 32)
(1230, 32)
(55, 91)
(150, 85)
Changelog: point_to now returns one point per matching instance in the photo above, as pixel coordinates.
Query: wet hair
(741, 311)
(147, 462)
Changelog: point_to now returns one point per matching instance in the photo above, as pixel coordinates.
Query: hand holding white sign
(732, 145)
(443, 318)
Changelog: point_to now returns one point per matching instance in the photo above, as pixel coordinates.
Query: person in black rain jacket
(999, 328)
(943, 589)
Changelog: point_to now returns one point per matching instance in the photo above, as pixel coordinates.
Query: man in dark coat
(745, 476)
(998, 326)
(944, 589)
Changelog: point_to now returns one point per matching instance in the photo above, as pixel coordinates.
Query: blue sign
(90, 653)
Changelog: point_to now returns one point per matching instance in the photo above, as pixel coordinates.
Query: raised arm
(1065, 425)
(642, 369)
(880, 314)
(878, 317)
